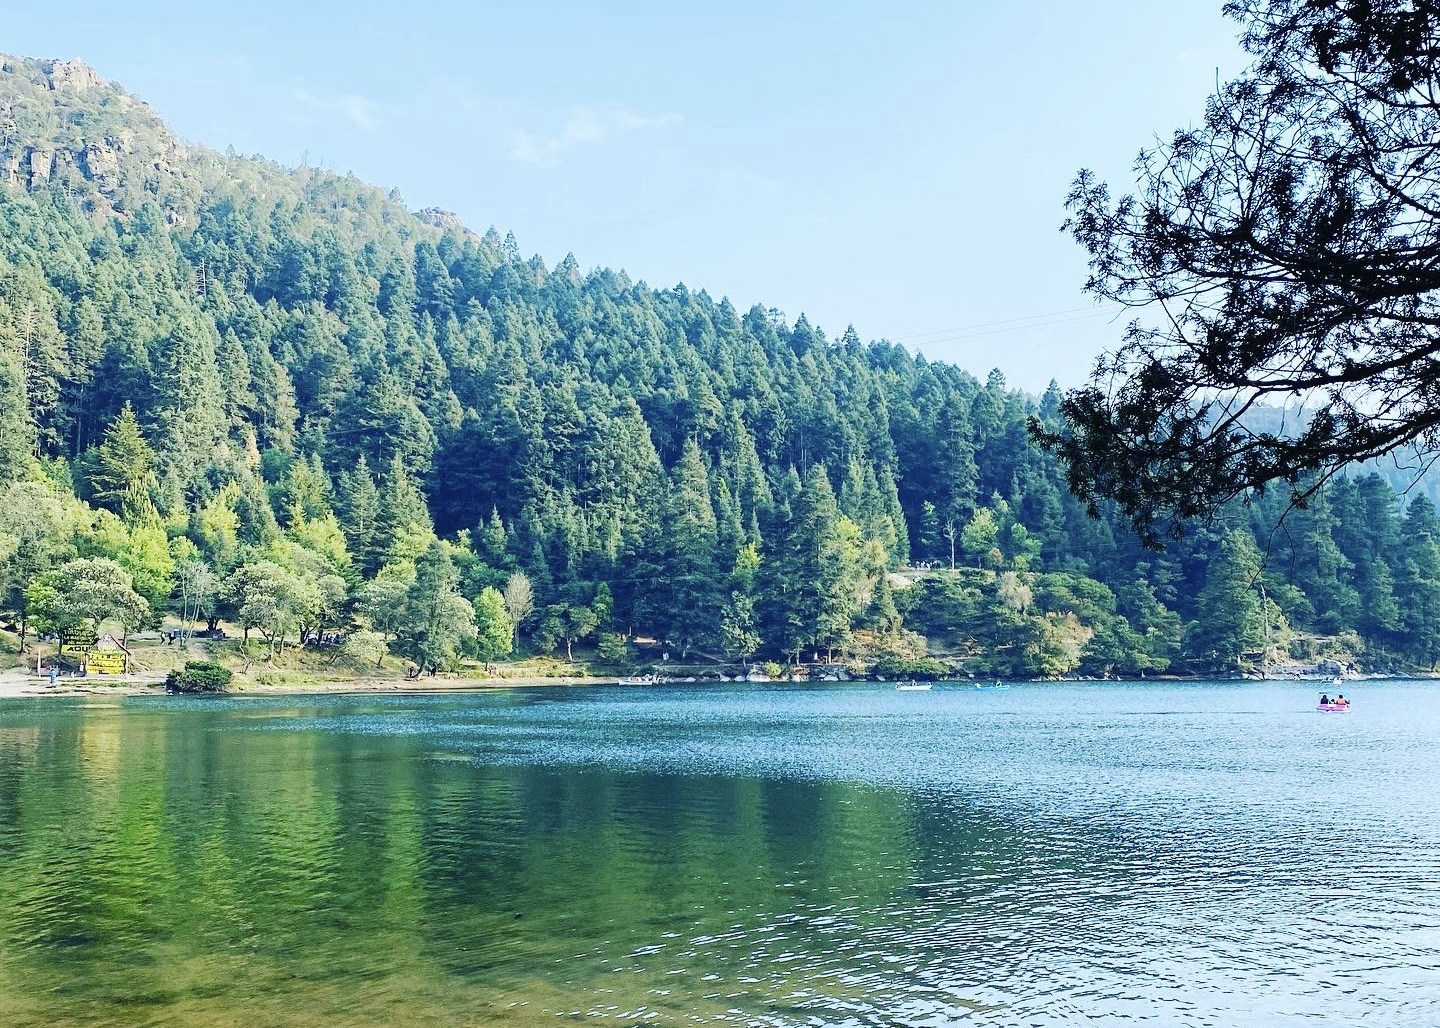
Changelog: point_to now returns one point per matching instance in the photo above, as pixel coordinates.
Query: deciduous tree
(494, 634)
(90, 590)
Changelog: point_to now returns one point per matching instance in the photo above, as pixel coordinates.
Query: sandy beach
(19, 682)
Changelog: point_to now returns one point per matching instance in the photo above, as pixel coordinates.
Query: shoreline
(17, 683)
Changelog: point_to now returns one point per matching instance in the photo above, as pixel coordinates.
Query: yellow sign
(76, 640)
(105, 662)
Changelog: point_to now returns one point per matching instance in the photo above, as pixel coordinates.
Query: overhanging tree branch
(1293, 242)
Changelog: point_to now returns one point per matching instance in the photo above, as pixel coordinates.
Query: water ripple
(1172, 855)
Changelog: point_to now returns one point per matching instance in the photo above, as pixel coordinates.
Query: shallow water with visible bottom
(1163, 854)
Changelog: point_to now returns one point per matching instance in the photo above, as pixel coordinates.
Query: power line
(1013, 324)
(1013, 328)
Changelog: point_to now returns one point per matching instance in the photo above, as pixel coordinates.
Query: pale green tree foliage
(89, 591)
(215, 528)
(322, 535)
(273, 600)
(494, 634)
(403, 521)
(1014, 593)
(738, 636)
(739, 624)
(1058, 644)
(364, 647)
(317, 571)
(437, 618)
(882, 609)
(845, 584)
(195, 586)
(580, 622)
(978, 537)
(381, 603)
(519, 599)
(141, 548)
(31, 537)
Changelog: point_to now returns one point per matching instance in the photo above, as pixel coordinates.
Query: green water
(722, 855)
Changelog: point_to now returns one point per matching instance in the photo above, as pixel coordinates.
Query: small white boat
(642, 680)
(915, 686)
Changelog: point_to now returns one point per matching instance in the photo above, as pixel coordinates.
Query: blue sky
(898, 166)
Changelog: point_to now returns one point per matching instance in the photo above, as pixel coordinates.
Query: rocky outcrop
(37, 166)
(100, 163)
(76, 76)
(442, 219)
(63, 126)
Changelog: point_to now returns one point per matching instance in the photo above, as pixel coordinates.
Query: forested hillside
(276, 396)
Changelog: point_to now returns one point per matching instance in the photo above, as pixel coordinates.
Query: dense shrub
(198, 676)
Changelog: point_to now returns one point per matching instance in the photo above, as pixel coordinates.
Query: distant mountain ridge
(1405, 471)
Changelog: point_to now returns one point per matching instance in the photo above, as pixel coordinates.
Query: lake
(1166, 854)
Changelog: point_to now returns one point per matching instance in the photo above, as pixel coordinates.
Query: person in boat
(1341, 701)
(1324, 699)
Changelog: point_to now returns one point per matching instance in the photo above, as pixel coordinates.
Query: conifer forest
(277, 400)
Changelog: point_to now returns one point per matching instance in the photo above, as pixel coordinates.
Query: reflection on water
(1177, 855)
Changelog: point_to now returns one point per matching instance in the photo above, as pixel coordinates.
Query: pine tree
(189, 405)
(689, 612)
(31, 539)
(403, 527)
(1418, 584)
(1229, 623)
(492, 543)
(17, 431)
(123, 469)
(359, 503)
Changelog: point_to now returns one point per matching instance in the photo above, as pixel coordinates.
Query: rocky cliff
(62, 125)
